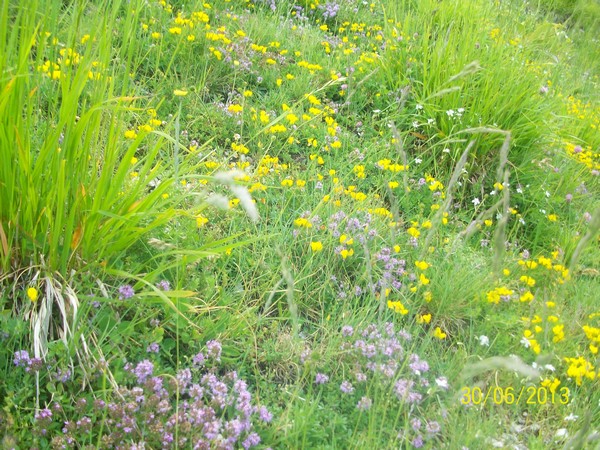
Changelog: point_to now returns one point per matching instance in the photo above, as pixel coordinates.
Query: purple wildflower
(321, 378)
(346, 387)
(364, 404)
(433, 427)
(418, 442)
(153, 348)
(22, 358)
(164, 285)
(213, 350)
(264, 414)
(252, 440)
(143, 370)
(415, 424)
(125, 292)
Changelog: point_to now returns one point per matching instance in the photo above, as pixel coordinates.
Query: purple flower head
(252, 440)
(44, 415)
(264, 414)
(417, 365)
(213, 350)
(433, 427)
(347, 330)
(22, 358)
(305, 355)
(199, 359)
(143, 370)
(125, 292)
(164, 285)
(153, 348)
(346, 387)
(184, 377)
(418, 442)
(364, 403)
(415, 423)
(321, 378)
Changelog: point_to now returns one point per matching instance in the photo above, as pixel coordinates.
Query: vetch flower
(180, 92)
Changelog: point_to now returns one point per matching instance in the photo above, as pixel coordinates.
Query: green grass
(290, 172)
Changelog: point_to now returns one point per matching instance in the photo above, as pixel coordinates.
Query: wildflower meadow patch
(299, 224)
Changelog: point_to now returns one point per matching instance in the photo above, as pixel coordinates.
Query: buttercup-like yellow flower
(32, 293)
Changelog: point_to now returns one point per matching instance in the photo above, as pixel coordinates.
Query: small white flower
(561, 432)
(484, 340)
(571, 418)
(519, 190)
(446, 150)
(521, 221)
(450, 113)
(475, 201)
(442, 382)
(419, 106)
(430, 121)
(418, 160)
(547, 194)
(525, 342)
(415, 124)
(550, 367)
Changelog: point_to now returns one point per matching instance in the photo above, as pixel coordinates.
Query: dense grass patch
(299, 224)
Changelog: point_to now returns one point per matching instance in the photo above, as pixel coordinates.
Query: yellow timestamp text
(525, 395)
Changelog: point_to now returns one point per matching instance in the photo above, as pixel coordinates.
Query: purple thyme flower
(433, 427)
(418, 442)
(364, 403)
(252, 440)
(346, 387)
(164, 285)
(153, 348)
(321, 378)
(417, 365)
(347, 330)
(143, 370)
(22, 358)
(125, 292)
(415, 423)
(213, 349)
(264, 414)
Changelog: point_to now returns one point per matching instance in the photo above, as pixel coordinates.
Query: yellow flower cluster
(500, 293)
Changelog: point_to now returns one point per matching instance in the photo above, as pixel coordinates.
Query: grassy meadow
(300, 224)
